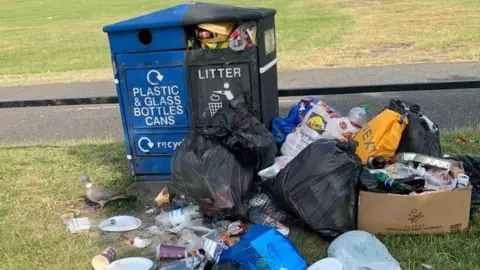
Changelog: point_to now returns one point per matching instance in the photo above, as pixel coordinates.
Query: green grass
(61, 41)
(40, 182)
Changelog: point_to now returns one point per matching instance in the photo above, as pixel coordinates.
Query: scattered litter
(327, 264)
(426, 266)
(133, 263)
(86, 224)
(152, 211)
(184, 264)
(141, 242)
(153, 230)
(263, 244)
(236, 228)
(193, 241)
(362, 250)
(167, 252)
(461, 140)
(120, 224)
(174, 221)
(163, 197)
(104, 259)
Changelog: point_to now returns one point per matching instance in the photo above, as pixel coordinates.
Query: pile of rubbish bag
(236, 186)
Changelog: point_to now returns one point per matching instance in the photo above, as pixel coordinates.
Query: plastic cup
(103, 260)
(166, 252)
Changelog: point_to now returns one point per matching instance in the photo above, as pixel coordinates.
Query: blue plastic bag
(281, 127)
(263, 247)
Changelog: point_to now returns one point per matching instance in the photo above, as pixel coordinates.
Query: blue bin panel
(157, 144)
(154, 90)
(161, 40)
(152, 165)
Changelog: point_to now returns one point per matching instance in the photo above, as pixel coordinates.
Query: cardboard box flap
(429, 212)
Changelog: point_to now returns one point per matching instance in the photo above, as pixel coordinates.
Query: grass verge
(43, 39)
(40, 182)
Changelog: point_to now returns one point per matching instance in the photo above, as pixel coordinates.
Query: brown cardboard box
(430, 212)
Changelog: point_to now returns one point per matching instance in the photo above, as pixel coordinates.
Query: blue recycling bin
(166, 87)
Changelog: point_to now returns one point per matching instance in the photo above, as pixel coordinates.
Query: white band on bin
(268, 66)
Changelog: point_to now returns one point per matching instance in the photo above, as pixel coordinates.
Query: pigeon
(100, 195)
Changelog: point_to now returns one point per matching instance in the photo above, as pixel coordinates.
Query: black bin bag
(319, 186)
(243, 134)
(421, 135)
(211, 176)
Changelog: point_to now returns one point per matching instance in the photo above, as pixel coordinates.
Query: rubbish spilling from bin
(233, 199)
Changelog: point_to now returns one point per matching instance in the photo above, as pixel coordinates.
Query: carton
(442, 211)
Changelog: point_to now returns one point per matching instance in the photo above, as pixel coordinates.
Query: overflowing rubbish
(222, 35)
(421, 135)
(265, 246)
(321, 122)
(282, 126)
(215, 167)
(104, 259)
(320, 186)
(381, 135)
(340, 176)
(362, 250)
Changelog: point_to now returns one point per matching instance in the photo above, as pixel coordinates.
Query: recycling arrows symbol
(158, 75)
(149, 143)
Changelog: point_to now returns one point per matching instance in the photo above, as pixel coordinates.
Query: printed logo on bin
(316, 123)
(415, 216)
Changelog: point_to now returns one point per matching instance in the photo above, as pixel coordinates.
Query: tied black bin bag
(211, 176)
(243, 134)
(421, 135)
(320, 187)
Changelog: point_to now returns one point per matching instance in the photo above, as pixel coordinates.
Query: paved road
(449, 109)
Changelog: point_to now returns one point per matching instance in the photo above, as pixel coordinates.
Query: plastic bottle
(362, 250)
(358, 115)
(177, 219)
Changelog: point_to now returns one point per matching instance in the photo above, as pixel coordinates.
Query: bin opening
(145, 36)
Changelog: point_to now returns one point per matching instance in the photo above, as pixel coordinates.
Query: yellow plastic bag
(381, 135)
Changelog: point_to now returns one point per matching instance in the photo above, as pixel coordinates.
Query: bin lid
(190, 14)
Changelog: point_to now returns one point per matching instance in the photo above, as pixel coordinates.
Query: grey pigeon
(100, 195)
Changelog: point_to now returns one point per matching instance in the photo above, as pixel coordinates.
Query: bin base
(147, 188)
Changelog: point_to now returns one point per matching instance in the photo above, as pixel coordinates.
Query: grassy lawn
(40, 182)
(61, 41)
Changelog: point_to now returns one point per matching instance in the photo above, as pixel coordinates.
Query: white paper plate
(326, 264)
(122, 224)
(134, 263)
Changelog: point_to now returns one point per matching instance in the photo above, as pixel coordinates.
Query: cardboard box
(429, 212)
